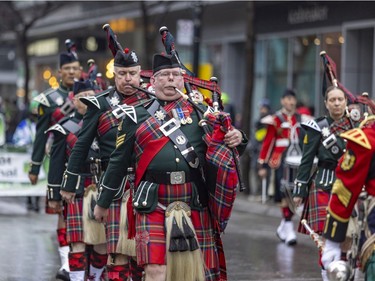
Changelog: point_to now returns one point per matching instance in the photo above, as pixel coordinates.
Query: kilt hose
(315, 210)
(151, 236)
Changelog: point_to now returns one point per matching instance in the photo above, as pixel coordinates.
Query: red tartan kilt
(113, 226)
(150, 229)
(315, 210)
(74, 223)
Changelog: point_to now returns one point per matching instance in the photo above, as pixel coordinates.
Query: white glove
(331, 252)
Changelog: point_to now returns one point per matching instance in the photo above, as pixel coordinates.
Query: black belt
(327, 165)
(176, 177)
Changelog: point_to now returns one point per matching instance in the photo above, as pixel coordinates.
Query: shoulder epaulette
(312, 125)
(42, 98)
(58, 128)
(267, 120)
(357, 136)
(90, 100)
(127, 110)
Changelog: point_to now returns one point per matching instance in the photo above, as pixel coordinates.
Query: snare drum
(291, 164)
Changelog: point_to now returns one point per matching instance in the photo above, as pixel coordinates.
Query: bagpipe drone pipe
(366, 106)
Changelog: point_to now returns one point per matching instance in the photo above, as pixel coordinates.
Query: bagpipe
(366, 105)
(222, 160)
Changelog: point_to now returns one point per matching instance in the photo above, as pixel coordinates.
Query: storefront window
(304, 65)
(277, 70)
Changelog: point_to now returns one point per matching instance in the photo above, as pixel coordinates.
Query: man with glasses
(174, 229)
(100, 125)
(54, 104)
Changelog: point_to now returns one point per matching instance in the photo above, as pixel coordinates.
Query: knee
(78, 247)
(155, 272)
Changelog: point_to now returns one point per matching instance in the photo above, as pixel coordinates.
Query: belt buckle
(177, 177)
(170, 126)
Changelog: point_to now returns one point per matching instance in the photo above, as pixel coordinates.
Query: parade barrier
(14, 167)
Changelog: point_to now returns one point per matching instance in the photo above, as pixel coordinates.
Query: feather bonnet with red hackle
(123, 57)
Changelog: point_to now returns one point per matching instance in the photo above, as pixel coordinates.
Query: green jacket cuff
(34, 169)
(53, 193)
(71, 181)
(301, 189)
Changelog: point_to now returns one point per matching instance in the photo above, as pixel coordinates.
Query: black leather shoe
(63, 275)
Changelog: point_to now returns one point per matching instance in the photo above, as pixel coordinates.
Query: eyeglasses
(166, 74)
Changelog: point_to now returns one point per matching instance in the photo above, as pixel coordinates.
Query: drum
(291, 164)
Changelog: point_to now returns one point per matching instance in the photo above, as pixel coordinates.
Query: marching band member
(321, 141)
(54, 104)
(80, 230)
(100, 122)
(163, 142)
(355, 172)
(272, 154)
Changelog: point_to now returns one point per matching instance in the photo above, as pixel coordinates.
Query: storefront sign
(308, 14)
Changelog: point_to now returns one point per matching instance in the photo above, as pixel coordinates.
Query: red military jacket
(355, 170)
(277, 138)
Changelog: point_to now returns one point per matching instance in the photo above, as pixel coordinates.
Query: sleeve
(311, 144)
(40, 141)
(56, 167)
(351, 174)
(81, 149)
(119, 162)
(267, 145)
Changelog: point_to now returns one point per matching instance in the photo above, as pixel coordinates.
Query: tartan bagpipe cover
(221, 171)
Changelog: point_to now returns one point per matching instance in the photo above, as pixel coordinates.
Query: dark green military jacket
(64, 133)
(168, 159)
(53, 105)
(322, 143)
(100, 122)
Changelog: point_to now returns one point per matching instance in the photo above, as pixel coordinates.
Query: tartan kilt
(151, 237)
(113, 226)
(315, 210)
(74, 222)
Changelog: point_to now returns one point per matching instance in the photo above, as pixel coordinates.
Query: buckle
(170, 126)
(118, 112)
(67, 107)
(177, 177)
(328, 142)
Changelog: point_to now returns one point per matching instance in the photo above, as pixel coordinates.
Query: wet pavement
(28, 245)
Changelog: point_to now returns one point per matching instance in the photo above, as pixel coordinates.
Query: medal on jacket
(114, 100)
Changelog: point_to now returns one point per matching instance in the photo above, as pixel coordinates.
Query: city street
(28, 245)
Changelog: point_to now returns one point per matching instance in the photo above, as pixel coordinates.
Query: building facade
(288, 39)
